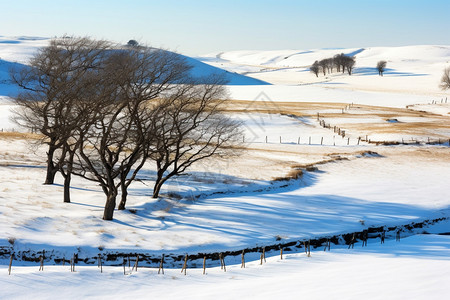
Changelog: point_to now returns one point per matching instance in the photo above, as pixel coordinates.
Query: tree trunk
(67, 179)
(110, 205)
(157, 189)
(158, 185)
(123, 199)
(51, 169)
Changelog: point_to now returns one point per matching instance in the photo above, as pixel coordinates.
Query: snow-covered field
(241, 202)
(414, 268)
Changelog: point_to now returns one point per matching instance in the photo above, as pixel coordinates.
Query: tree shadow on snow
(262, 216)
(388, 72)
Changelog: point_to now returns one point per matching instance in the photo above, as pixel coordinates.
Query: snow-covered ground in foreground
(417, 267)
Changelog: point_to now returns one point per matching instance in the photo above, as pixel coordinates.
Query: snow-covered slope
(16, 51)
(411, 70)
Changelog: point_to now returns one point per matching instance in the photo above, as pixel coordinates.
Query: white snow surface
(417, 267)
(412, 76)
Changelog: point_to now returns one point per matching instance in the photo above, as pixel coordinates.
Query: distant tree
(349, 63)
(315, 68)
(323, 66)
(132, 43)
(329, 64)
(381, 67)
(445, 80)
(338, 60)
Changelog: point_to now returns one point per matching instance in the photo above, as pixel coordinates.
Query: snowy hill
(18, 50)
(411, 70)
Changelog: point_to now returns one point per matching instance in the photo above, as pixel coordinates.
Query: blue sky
(198, 27)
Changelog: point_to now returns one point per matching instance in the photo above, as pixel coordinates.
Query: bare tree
(104, 111)
(349, 63)
(381, 67)
(190, 127)
(323, 66)
(115, 142)
(445, 80)
(339, 62)
(49, 88)
(315, 68)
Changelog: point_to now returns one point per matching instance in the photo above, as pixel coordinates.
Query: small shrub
(12, 240)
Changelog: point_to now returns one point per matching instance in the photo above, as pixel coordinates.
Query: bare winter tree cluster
(381, 67)
(445, 80)
(338, 62)
(104, 111)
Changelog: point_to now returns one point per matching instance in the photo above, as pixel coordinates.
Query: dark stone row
(116, 258)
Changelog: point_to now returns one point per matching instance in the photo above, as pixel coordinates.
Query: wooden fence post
(222, 262)
(100, 264)
(243, 259)
(41, 261)
(281, 253)
(321, 141)
(352, 242)
(135, 267)
(184, 265)
(10, 264)
(310, 140)
(124, 264)
(309, 248)
(204, 265)
(161, 265)
(72, 269)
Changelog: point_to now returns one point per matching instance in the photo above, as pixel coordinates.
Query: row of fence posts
(437, 101)
(337, 129)
(322, 123)
(309, 139)
(342, 133)
(127, 261)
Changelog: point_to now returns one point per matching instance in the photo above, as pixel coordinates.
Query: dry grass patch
(19, 135)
